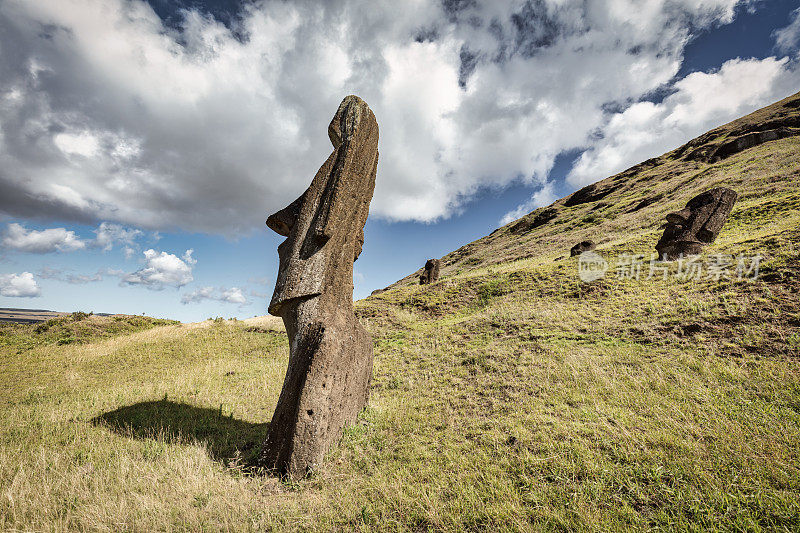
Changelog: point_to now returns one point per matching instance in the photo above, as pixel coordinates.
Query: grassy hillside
(625, 211)
(507, 396)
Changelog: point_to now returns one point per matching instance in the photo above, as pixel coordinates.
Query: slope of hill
(508, 396)
(755, 155)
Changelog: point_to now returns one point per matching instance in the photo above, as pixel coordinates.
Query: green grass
(76, 328)
(507, 396)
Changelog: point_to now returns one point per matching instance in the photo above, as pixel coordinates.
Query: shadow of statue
(228, 440)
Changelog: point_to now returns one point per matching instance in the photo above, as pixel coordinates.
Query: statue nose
(284, 220)
(280, 224)
(679, 217)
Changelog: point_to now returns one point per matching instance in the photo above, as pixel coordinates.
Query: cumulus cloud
(19, 285)
(234, 295)
(701, 101)
(162, 270)
(208, 128)
(18, 237)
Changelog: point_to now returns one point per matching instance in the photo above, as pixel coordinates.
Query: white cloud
(83, 143)
(19, 238)
(787, 39)
(233, 295)
(195, 129)
(19, 285)
(51, 273)
(108, 234)
(701, 102)
(68, 277)
(80, 279)
(544, 196)
(162, 270)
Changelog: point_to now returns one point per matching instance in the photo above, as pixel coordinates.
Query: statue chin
(675, 249)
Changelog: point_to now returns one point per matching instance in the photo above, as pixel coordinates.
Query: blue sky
(133, 133)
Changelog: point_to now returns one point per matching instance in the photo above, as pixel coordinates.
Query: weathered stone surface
(591, 193)
(330, 359)
(583, 246)
(650, 200)
(750, 140)
(697, 224)
(528, 223)
(431, 272)
(743, 134)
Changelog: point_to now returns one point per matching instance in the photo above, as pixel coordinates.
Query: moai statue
(687, 231)
(431, 272)
(583, 246)
(330, 353)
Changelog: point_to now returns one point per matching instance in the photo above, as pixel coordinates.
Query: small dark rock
(691, 329)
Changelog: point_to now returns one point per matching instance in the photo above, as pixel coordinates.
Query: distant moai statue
(687, 231)
(583, 246)
(431, 272)
(330, 352)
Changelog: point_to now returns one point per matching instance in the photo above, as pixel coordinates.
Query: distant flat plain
(27, 316)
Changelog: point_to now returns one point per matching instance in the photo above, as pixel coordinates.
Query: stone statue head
(697, 224)
(430, 274)
(324, 227)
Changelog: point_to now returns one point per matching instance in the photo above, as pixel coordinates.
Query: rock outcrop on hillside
(529, 222)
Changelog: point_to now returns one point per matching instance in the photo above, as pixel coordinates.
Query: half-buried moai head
(583, 246)
(687, 231)
(330, 353)
(431, 272)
